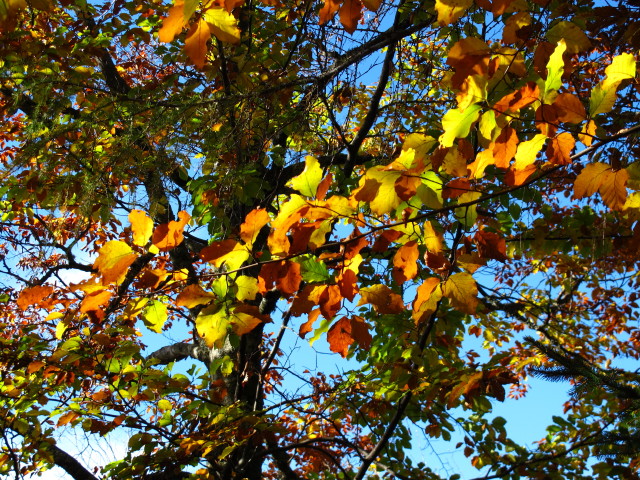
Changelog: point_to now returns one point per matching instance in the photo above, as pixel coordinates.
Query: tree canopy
(441, 198)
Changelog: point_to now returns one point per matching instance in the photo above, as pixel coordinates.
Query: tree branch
(177, 352)
(70, 465)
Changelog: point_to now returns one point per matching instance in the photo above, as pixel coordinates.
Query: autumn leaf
(307, 182)
(405, 262)
(339, 336)
(382, 298)
(328, 10)
(575, 39)
(589, 180)
(457, 124)
(527, 151)
(228, 252)
(307, 326)
(212, 324)
(491, 245)
(192, 296)
(223, 25)
(555, 70)
(155, 315)
(569, 108)
(113, 261)
(350, 14)
(169, 235)
(247, 288)
(330, 301)
(285, 276)
(451, 10)
(141, 227)
(195, 45)
(178, 18)
(613, 188)
(560, 148)
(95, 301)
(428, 294)
(378, 189)
(33, 296)
(505, 146)
(433, 239)
(253, 223)
(462, 290)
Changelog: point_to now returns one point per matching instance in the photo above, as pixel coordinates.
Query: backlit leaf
(451, 10)
(113, 261)
(555, 70)
(575, 39)
(253, 223)
(222, 24)
(195, 45)
(193, 295)
(589, 180)
(560, 148)
(462, 290)
(350, 14)
(177, 19)
(141, 227)
(169, 235)
(33, 296)
(527, 151)
(614, 188)
(569, 108)
(457, 124)
(405, 262)
(382, 298)
(155, 316)
(229, 252)
(307, 182)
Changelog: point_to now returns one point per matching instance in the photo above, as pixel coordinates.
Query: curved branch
(177, 352)
(70, 465)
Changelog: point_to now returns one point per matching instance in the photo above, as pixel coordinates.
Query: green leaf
(313, 270)
(155, 316)
(213, 324)
(457, 124)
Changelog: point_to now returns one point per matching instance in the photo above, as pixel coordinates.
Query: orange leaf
(33, 296)
(114, 259)
(307, 326)
(427, 297)
(193, 295)
(339, 336)
(350, 14)
(67, 418)
(519, 99)
(285, 276)
(569, 108)
(405, 262)
(614, 188)
(515, 177)
(253, 223)
(305, 300)
(177, 19)
(141, 227)
(347, 281)
(559, 149)
(328, 10)
(169, 235)
(323, 187)
(383, 299)
(226, 251)
(424, 291)
(406, 186)
(491, 245)
(360, 332)
(195, 45)
(589, 179)
(94, 301)
(505, 146)
(547, 120)
(330, 301)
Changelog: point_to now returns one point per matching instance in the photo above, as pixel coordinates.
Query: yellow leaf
(247, 288)
(94, 301)
(623, 67)
(457, 124)
(482, 161)
(432, 239)
(462, 290)
(472, 90)
(528, 151)
(588, 133)
(141, 227)
(589, 180)
(113, 261)
(383, 299)
(307, 182)
(451, 10)
(467, 215)
(195, 45)
(223, 25)
(193, 295)
(555, 70)
(377, 188)
(420, 144)
(214, 323)
(134, 307)
(427, 297)
(155, 316)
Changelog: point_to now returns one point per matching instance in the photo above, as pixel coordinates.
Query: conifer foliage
(290, 239)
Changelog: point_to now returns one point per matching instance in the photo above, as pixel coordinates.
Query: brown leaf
(569, 108)
(339, 336)
(330, 301)
(505, 146)
(491, 245)
(307, 326)
(560, 148)
(195, 45)
(383, 299)
(350, 14)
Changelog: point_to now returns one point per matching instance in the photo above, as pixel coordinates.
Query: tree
(445, 192)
